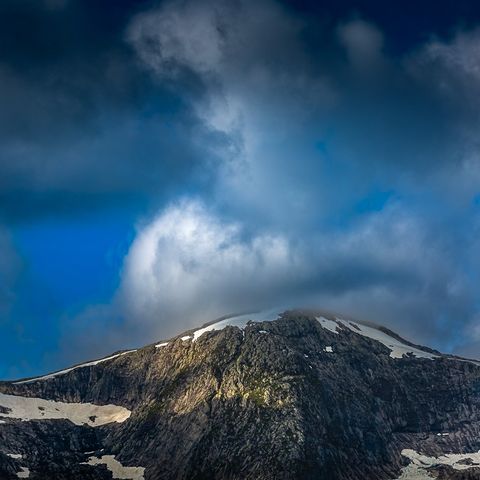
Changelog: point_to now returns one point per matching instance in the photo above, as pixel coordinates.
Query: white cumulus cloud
(188, 266)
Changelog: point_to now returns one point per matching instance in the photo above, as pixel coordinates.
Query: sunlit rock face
(273, 395)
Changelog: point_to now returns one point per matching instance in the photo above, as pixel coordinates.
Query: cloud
(297, 114)
(190, 92)
(262, 93)
(198, 86)
(82, 125)
(402, 271)
(457, 61)
(326, 169)
(189, 266)
(225, 47)
(179, 35)
(363, 43)
(307, 135)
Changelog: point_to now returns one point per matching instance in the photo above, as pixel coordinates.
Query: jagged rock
(269, 401)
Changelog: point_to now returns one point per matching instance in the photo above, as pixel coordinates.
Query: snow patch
(23, 473)
(17, 456)
(239, 321)
(185, 338)
(262, 331)
(160, 345)
(329, 349)
(330, 325)
(397, 348)
(117, 469)
(67, 370)
(30, 408)
(419, 466)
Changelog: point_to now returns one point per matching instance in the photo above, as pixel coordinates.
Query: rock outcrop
(307, 396)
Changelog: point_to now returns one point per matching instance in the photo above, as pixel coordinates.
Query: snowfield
(239, 321)
(23, 473)
(16, 456)
(397, 348)
(420, 464)
(26, 409)
(117, 469)
(330, 325)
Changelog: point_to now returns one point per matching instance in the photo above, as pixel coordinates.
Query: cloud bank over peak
(345, 179)
(188, 266)
(277, 153)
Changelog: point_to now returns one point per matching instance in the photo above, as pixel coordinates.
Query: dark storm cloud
(81, 123)
(57, 64)
(370, 109)
(318, 125)
(84, 120)
(297, 153)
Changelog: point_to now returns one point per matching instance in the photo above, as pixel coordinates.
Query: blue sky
(165, 163)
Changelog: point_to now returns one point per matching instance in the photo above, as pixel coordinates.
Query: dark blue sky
(164, 163)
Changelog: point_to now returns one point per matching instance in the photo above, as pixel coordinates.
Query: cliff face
(302, 397)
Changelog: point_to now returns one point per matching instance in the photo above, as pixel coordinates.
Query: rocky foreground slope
(307, 396)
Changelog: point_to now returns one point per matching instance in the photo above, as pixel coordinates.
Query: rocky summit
(289, 395)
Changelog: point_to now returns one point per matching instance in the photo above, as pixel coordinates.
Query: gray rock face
(266, 402)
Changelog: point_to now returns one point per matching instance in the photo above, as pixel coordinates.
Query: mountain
(292, 395)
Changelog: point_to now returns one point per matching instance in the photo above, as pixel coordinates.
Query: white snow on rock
(160, 345)
(117, 469)
(23, 473)
(83, 365)
(415, 472)
(397, 348)
(239, 321)
(419, 466)
(185, 338)
(329, 349)
(26, 408)
(330, 325)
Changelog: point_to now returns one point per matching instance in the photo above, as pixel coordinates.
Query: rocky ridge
(306, 396)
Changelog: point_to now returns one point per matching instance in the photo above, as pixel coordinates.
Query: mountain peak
(282, 394)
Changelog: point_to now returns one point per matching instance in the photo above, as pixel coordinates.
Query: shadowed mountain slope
(295, 395)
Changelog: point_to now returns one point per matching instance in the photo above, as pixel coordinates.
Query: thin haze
(166, 163)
